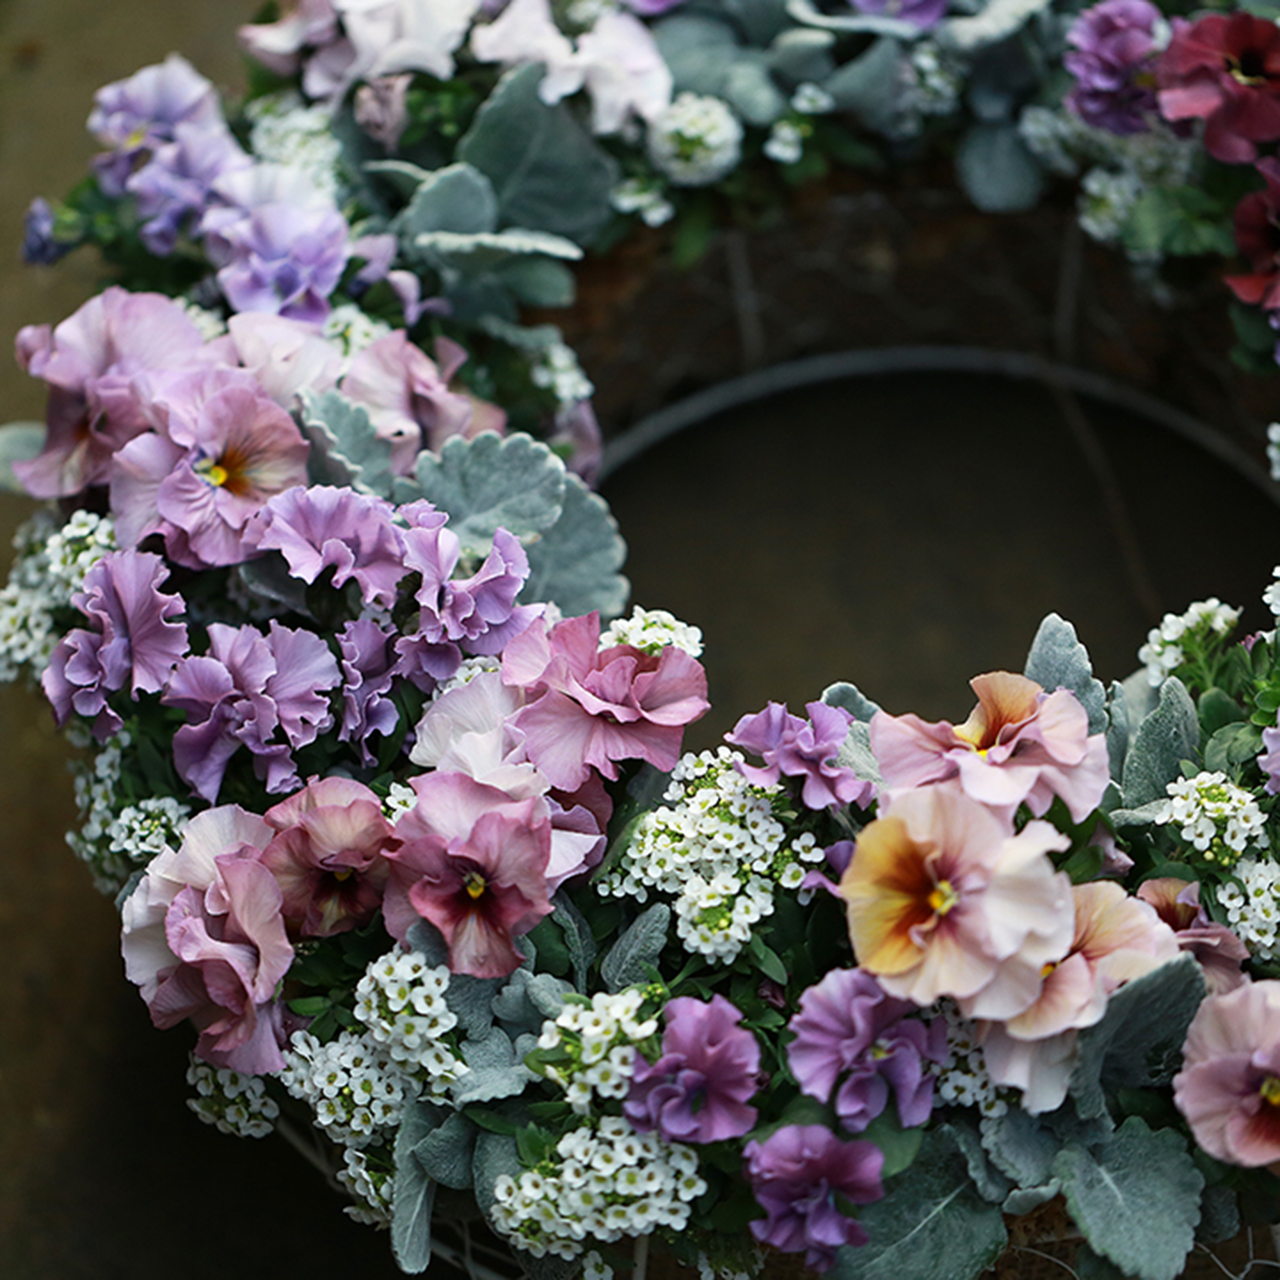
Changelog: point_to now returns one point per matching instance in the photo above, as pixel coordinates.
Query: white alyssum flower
(811, 100)
(467, 671)
(696, 140)
(557, 369)
(286, 132)
(1271, 596)
(931, 84)
(785, 143)
(401, 999)
(140, 831)
(97, 782)
(1220, 820)
(1106, 200)
(1253, 905)
(210, 324)
(1273, 449)
(963, 1079)
(369, 1179)
(350, 1083)
(1165, 650)
(399, 800)
(652, 630)
(718, 849)
(352, 329)
(645, 197)
(233, 1103)
(586, 1192)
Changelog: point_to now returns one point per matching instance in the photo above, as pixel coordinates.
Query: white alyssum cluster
(785, 143)
(233, 1103)
(1106, 201)
(97, 781)
(1220, 820)
(696, 140)
(602, 1183)
(931, 84)
(811, 99)
(353, 330)
(741, 1268)
(48, 570)
(401, 1000)
(351, 1085)
(963, 1079)
(467, 671)
(1253, 912)
(718, 849)
(597, 1039)
(371, 1187)
(1271, 596)
(652, 630)
(644, 197)
(286, 132)
(557, 369)
(210, 324)
(1165, 650)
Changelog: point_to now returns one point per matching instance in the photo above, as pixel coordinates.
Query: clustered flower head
(964, 1079)
(717, 847)
(603, 1182)
(233, 1103)
(1182, 638)
(589, 1049)
(651, 630)
(1219, 820)
(368, 1177)
(1253, 905)
(696, 141)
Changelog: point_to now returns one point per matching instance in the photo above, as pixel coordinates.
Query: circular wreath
(390, 792)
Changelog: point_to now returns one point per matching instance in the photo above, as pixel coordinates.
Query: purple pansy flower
(1269, 759)
(849, 1026)
(247, 687)
(1113, 53)
(136, 115)
(134, 641)
(919, 13)
(697, 1091)
(321, 527)
(40, 247)
(796, 1175)
(802, 749)
(369, 669)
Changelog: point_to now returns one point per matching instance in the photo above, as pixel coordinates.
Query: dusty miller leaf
(638, 949)
(1057, 660)
(1165, 738)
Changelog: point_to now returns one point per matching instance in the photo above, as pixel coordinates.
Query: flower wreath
(391, 794)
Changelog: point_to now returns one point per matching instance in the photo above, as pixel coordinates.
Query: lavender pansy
(40, 245)
(802, 749)
(798, 1175)
(369, 670)
(924, 14)
(1114, 45)
(698, 1090)
(134, 642)
(849, 1027)
(240, 693)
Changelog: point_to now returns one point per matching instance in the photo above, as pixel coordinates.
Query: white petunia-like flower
(697, 140)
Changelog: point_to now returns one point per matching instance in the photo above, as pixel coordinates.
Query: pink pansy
(285, 356)
(469, 730)
(1117, 938)
(1217, 950)
(473, 863)
(1018, 746)
(589, 707)
(204, 939)
(227, 450)
(1229, 1085)
(408, 399)
(943, 900)
(90, 362)
(329, 856)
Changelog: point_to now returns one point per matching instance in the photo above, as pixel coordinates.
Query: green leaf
(1231, 747)
(851, 698)
(1020, 1146)
(767, 960)
(1137, 1199)
(496, 1154)
(540, 282)
(494, 1072)
(855, 753)
(579, 940)
(637, 950)
(1169, 735)
(528, 1000)
(575, 563)
(898, 1145)
(447, 1152)
(492, 481)
(749, 89)
(19, 442)
(992, 1185)
(547, 171)
(345, 448)
(868, 86)
(1057, 660)
(269, 577)
(404, 177)
(997, 171)
(458, 198)
(1217, 709)
(414, 1193)
(1138, 1043)
(698, 49)
(931, 1225)
(802, 54)
(470, 999)
(1117, 729)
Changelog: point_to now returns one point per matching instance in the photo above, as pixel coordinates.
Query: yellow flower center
(475, 885)
(344, 874)
(1270, 1091)
(212, 472)
(943, 897)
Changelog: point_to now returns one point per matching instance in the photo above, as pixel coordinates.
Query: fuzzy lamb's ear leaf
(1136, 1198)
(575, 562)
(1138, 1043)
(457, 198)
(1057, 660)
(513, 482)
(934, 1225)
(496, 1154)
(414, 1193)
(447, 1152)
(638, 949)
(547, 171)
(851, 698)
(1117, 730)
(1167, 737)
(493, 1071)
(19, 442)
